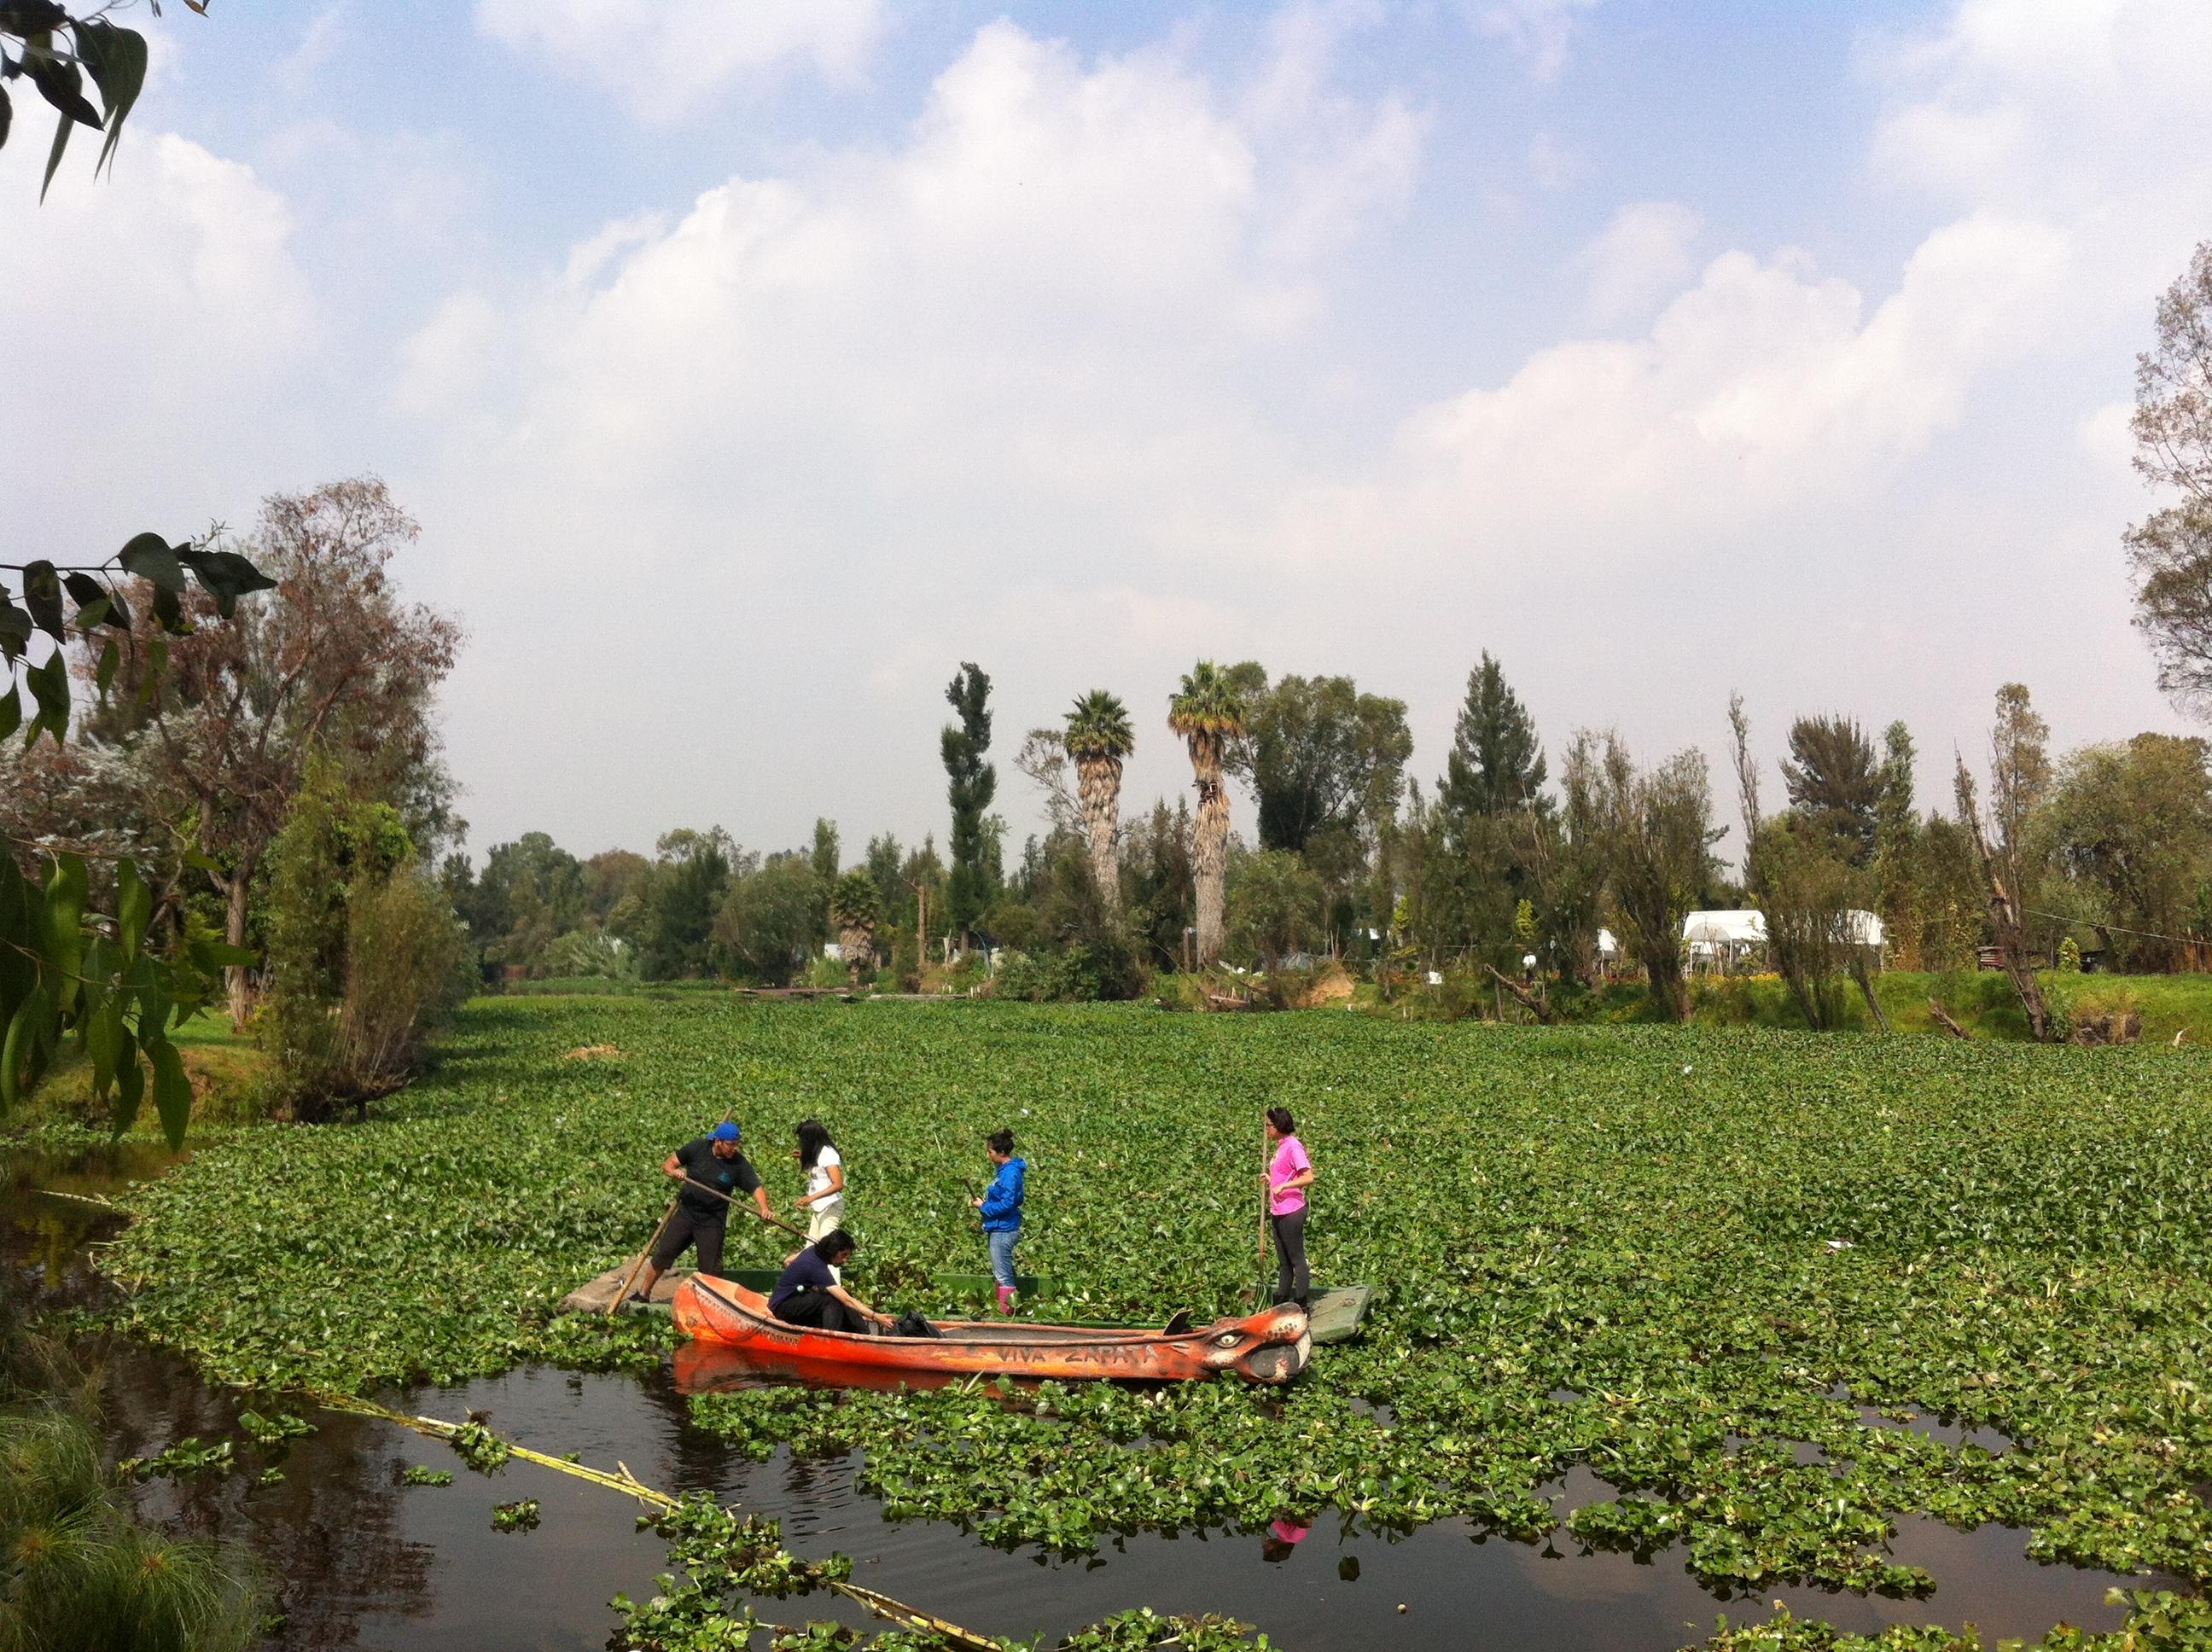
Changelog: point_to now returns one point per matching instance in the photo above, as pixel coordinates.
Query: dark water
(365, 1562)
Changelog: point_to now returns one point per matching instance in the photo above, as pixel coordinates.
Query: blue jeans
(1002, 1255)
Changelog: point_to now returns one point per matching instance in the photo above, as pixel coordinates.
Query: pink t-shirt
(1289, 1159)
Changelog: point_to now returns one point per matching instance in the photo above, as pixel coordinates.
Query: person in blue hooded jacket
(1001, 1207)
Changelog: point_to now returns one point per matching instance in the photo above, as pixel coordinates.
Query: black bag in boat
(911, 1324)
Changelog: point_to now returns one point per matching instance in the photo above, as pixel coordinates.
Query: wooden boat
(1271, 1346)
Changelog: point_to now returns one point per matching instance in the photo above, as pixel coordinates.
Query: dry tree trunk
(1941, 1017)
(1098, 783)
(1210, 854)
(2004, 916)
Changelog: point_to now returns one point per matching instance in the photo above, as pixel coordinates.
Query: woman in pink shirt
(1290, 1173)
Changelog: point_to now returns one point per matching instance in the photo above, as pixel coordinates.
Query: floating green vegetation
(416, 1474)
(1753, 1281)
(520, 1515)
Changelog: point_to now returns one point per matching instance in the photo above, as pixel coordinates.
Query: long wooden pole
(750, 1210)
(643, 1256)
(1266, 1211)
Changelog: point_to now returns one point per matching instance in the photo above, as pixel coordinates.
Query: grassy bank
(1680, 1257)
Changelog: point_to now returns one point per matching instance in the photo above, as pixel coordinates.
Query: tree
(2171, 550)
(1099, 738)
(884, 859)
(971, 783)
(1833, 783)
(765, 926)
(2006, 919)
(1653, 832)
(1497, 763)
(857, 910)
(1157, 856)
(2019, 779)
(1208, 712)
(1043, 759)
(363, 949)
(824, 859)
(530, 892)
(1896, 848)
(618, 884)
(337, 663)
(1317, 754)
(2133, 822)
(690, 886)
(1274, 906)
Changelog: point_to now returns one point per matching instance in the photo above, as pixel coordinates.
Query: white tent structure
(1725, 941)
(1721, 941)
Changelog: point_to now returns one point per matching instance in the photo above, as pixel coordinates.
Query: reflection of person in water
(1283, 1536)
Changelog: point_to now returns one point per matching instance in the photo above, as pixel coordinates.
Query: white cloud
(1641, 255)
(1540, 30)
(997, 391)
(663, 58)
(175, 321)
(2090, 113)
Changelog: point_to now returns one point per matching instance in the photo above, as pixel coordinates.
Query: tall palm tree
(1208, 712)
(1098, 738)
(857, 908)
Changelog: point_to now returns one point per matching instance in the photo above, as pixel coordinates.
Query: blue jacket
(1002, 1199)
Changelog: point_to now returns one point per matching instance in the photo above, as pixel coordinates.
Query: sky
(749, 367)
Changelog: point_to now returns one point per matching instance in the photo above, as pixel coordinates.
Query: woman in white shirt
(824, 1199)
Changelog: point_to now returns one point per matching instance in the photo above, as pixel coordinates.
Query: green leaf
(103, 1038)
(134, 908)
(26, 1032)
(172, 1090)
(54, 154)
(7, 116)
(16, 626)
(50, 687)
(148, 557)
(203, 861)
(225, 576)
(61, 84)
(116, 59)
(42, 595)
(67, 891)
(110, 657)
(222, 955)
(91, 597)
(129, 1084)
(11, 712)
(169, 611)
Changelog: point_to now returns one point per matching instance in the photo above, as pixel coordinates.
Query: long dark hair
(813, 1136)
(1280, 1118)
(835, 1246)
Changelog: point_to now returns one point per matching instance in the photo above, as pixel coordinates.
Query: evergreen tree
(1833, 781)
(970, 785)
(1496, 762)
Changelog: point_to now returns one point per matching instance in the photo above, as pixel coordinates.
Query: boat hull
(1270, 1346)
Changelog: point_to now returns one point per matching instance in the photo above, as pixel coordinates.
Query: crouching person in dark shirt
(808, 1294)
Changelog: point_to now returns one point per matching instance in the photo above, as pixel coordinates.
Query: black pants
(686, 1228)
(821, 1310)
(1292, 1281)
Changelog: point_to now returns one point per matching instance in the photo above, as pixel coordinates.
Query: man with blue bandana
(714, 1161)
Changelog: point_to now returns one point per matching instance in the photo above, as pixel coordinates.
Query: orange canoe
(1268, 1346)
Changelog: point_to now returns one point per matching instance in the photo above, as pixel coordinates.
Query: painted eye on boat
(1227, 1339)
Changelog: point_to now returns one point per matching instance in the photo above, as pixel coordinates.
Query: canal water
(363, 1560)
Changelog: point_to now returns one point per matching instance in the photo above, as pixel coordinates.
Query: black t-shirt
(735, 1177)
(807, 1271)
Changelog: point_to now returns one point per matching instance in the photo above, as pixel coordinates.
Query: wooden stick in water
(629, 1279)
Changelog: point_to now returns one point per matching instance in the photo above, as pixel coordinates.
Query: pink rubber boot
(1005, 1299)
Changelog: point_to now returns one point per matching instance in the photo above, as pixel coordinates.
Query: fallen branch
(1527, 1000)
(1942, 1018)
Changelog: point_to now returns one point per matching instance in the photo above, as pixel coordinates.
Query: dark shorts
(685, 1229)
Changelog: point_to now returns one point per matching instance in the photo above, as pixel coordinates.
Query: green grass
(1982, 1001)
(1676, 1256)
